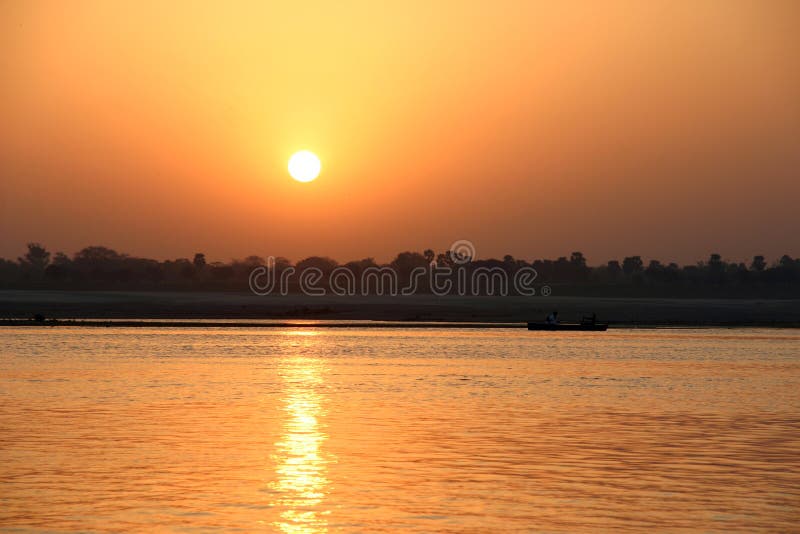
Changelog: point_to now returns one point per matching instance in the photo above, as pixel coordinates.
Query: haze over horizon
(666, 130)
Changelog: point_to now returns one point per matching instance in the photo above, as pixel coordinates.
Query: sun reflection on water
(301, 463)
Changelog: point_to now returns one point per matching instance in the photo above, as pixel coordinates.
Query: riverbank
(175, 306)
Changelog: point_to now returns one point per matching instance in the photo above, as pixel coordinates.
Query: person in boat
(552, 318)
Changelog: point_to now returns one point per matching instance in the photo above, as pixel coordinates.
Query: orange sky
(665, 129)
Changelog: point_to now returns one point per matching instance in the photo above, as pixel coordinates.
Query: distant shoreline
(144, 323)
(95, 308)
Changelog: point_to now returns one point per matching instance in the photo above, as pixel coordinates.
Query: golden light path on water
(300, 460)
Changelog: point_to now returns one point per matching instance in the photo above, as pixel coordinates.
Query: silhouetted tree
(580, 272)
(788, 269)
(99, 263)
(243, 268)
(35, 260)
(758, 264)
(96, 255)
(614, 269)
(98, 267)
(577, 259)
(445, 259)
(716, 269)
(254, 261)
(654, 267)
(220, 271)
(715, 262)
(358, 267)
(9, 272)
(512, 265)
(60, 268)
(632, 264)
(786, 261)
(281, 264)
(406, 262)
(322, 263)
(61, 259)
(561, 270)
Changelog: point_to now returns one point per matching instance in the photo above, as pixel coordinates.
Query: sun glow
(304, 166)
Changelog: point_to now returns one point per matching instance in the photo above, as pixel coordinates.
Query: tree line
(98, 267)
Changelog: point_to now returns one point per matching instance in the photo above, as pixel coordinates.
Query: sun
(304, 166)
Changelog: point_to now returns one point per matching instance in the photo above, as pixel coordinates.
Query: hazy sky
(667, 129)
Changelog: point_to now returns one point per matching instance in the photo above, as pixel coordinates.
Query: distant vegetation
(99, 267)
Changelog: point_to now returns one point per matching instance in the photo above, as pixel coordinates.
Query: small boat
(588, 327)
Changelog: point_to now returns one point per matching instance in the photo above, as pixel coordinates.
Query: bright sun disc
(304, 166)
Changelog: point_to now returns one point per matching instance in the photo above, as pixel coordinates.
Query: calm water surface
(426, 430)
